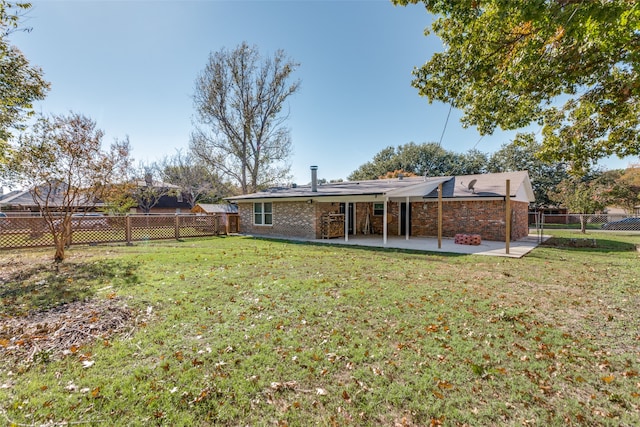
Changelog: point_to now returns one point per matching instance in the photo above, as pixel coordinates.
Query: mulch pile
(63, 330)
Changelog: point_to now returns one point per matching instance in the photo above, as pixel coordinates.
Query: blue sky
(131, 66)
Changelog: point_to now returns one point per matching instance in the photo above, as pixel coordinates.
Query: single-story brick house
(410, 206)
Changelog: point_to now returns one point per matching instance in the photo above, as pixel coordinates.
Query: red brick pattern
(467, 239)
(485, 218)
(293, 219)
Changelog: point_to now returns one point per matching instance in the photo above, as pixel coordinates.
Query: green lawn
(239, 331)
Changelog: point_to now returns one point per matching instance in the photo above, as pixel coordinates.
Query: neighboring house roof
(217, 208)
(491, 185)
(155, 184)
(24, 198)
(16, 197)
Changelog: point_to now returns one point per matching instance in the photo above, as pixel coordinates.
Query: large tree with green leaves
(62, 163)
(20, 82)
(522, 154)
(622, 188)
(240, 103)
(571, 66)
(421, 159)
(581, 196)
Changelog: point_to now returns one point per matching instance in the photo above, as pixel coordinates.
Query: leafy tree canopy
(571, 66)
(62, 163)
(522, 154)
(581, 196)
(420, 159)
(20, 82)
(622, 188)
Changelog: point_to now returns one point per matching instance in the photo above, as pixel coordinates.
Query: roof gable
(488, 185)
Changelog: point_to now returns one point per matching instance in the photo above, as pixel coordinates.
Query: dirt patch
(571, 242)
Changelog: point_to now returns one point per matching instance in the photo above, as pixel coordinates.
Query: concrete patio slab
(517, 249)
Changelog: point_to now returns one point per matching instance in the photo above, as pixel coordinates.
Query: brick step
(467, 239)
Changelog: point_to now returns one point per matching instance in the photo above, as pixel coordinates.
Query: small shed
(226, 214)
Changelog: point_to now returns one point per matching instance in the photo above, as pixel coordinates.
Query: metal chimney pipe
(314, 179)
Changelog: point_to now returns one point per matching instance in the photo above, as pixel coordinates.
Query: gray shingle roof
(485, 185)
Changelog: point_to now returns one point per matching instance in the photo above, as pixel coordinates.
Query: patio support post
(406, 219)
(507, 231)
(346, 221)
(440, 216)
(384, 221)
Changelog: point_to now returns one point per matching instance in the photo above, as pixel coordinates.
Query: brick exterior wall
(303, 220)
(291, 219)
(486, 218)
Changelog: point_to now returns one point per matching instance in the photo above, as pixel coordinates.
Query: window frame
(380, 211)
(263, 217)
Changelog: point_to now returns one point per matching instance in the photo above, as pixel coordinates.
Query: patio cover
(421, 189)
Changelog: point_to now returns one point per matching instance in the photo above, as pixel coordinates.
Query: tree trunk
(59, 256)
(583, 224)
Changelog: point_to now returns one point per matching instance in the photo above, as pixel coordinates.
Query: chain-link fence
(612, 222)
(33, 231)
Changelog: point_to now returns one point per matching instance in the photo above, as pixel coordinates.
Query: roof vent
(314, 179)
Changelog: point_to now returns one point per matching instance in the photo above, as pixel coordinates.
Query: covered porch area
(517, 249)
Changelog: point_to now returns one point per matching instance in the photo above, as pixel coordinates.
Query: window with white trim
(263, 213)
(378, 209)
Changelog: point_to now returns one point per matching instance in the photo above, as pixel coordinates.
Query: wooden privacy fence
(26, 231)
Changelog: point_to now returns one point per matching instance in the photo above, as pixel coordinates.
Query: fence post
(177, 227)
(127, 229)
